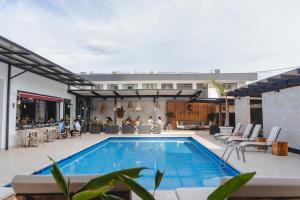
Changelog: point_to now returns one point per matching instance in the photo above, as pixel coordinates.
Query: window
(98, 87)
(230, 86)
(203, 87)
(130, 86)
(112, 86)
(167, 86)
(184, 86)
(149, 86)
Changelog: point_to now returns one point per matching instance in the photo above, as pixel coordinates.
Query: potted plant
(99, 187)
(211, 118)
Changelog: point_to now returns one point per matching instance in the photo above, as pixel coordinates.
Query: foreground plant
(99, 186)
(225, 190)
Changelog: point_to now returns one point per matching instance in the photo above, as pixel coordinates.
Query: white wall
(242, 111)
(29, 82)
(283, 109)
(3, 79)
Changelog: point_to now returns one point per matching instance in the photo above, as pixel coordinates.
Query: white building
(29, 86)
(279, 98)
(143, 89)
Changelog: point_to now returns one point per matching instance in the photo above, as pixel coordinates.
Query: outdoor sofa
(114, 129)
(190, 125)
(128, 129)
(144, 129)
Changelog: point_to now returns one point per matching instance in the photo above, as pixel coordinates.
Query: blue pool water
(186, 162)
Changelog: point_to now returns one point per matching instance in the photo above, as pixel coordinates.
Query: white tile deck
(27, 160)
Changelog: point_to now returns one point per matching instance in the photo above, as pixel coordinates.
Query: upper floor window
(149, 86)
(230, 86)
(98, 87)
(112, 86)
(184, 86)
(203, 87)
(166, 86)
(130, 86)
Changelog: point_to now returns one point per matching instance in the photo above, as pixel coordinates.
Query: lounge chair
(36, 187)
(144, 129)
(234, 133)
(180, 127)
(274, 133)
(254, 134)
(257, 188)
(245, 134)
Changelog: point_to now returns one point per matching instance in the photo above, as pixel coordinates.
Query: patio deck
(27, 160)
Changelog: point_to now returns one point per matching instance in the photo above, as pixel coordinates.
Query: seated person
(137, 121)
(150, 120)
(77, 126)
(160, 121)
(61, 126)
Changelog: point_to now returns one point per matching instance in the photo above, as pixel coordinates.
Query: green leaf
(59, 179)
(91, 194)
(158, 177)
(110, 197)
(136, 188)
(113, 177)
(232, 185)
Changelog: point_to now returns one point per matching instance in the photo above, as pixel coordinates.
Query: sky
(157, 35)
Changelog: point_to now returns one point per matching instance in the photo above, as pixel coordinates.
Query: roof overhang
(274, 83)
(137, 93)
(20, 57)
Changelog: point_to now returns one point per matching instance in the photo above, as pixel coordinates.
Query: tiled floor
(26, 160)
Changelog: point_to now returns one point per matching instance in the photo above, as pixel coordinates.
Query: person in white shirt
(160, 121)
(150, 121)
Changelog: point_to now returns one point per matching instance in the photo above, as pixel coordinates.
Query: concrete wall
(242, 111)
(283, 109)
(28, 82)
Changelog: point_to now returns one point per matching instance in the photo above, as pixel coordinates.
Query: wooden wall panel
(185, 111)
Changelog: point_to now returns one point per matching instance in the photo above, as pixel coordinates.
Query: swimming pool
(186, 162)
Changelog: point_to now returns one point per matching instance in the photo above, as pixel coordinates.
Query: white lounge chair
(271, 138)
(180, 127)
(246, 134)
(255, 132)
(234, 133)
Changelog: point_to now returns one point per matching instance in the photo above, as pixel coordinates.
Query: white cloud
(160, 35)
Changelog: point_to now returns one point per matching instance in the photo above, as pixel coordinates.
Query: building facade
(161, 87)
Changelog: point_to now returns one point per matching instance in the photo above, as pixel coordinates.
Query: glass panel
(98, 87)
(184, 86)
(149, 86)
(130, 86)
(166, 86)
(204, 88)
(40, 111)
(230, 86)
(112, 86)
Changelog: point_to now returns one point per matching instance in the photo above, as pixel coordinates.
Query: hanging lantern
(138, 107)
(130, 105)
(157, 104)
